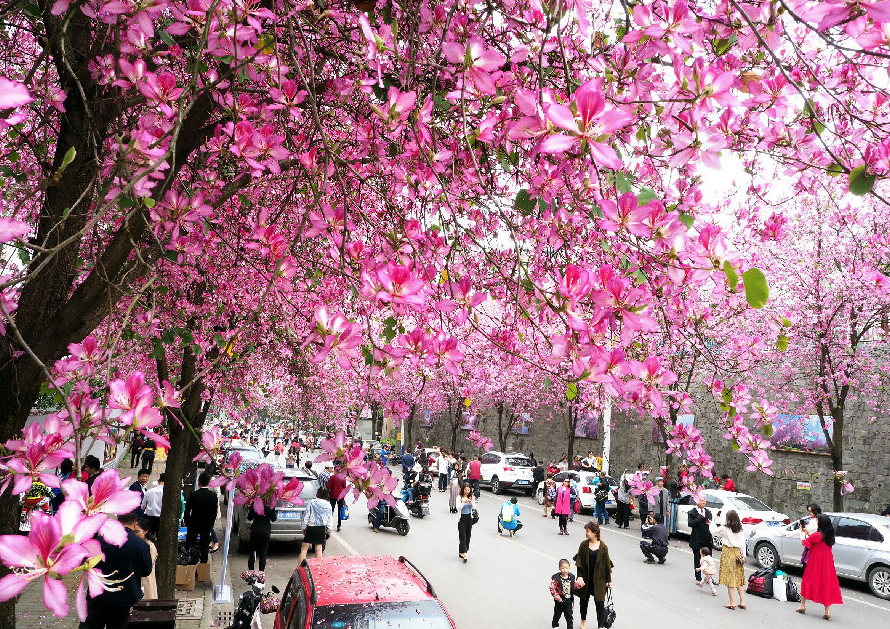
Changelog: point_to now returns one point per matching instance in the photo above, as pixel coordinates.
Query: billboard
(426, 419)
(470, 421)
(682, 420)
(799, 433)
(522, 427)
(588, 425)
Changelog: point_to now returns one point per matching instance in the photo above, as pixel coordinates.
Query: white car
(752, 513)
(505, 470)
(586, 489)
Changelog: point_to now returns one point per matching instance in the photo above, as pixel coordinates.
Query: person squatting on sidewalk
(656, 544)
(562, 588)
(708, 570)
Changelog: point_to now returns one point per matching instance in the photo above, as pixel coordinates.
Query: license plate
(289, 515)
(522, 482)
(775, 523)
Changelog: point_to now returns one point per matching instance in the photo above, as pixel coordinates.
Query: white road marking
(349, 549)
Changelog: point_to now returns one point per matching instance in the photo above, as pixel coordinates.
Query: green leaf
(572, 391)
(25, 256)
(860, 181)
(149, 202)
(219, 340)
(622, 184)
(782, 343)
(547, 383)
(70, 154)
(732, 278)
(767, 430)
(524, 203)
(756, 288)
(835, 169)
(646, 196)
(687, 219)
(786, 322)
(735, 446)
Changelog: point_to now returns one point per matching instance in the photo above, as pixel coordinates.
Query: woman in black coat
(595, 567)
(260, 535)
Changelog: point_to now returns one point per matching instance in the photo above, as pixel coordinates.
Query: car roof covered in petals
(367, 579)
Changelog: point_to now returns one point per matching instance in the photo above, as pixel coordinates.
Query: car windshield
(591, 480)
(247, 454)
(518, 461)
(426, 614)
(751, 504)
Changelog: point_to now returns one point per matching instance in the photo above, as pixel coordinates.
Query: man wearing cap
(662, 500)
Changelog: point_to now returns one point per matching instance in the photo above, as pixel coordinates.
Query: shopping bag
(609, 610)
(779, 589)
(760, 583)
(344, 512)
(577, 507)
(792, 594)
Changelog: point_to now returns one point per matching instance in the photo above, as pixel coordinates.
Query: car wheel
(879, 581)
(496, 486)
(402, 527)
(766, 555)
(529, 493)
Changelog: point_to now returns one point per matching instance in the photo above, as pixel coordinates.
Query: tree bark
(837, 458)
(408, 428)
(573, 415)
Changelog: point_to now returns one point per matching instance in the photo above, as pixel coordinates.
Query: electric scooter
(393, 517)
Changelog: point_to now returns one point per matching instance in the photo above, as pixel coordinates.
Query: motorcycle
(252, 599)
(420, 506)
(38, 498)
(393, 517)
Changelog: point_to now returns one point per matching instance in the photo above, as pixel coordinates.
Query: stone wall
(867, 456)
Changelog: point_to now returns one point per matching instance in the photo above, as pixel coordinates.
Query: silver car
(861, 549)
(288, 527)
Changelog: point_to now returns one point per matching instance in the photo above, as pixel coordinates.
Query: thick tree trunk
(573, 422)
(409, 428)
(837, 458)
(502, 436)
(168, 544)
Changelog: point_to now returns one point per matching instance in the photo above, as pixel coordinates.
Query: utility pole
(607, 433)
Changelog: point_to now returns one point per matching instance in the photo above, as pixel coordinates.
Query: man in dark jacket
(657, 543)
(538, 476)
(130, 562)
(700, 535)
(140, 485)
(136, 443)
(91, 469)
(200, 515)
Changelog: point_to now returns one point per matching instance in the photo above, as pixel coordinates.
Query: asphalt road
(505, 582)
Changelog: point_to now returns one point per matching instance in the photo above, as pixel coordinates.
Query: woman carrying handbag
(595, 567)
(468, 517)
(732, 560)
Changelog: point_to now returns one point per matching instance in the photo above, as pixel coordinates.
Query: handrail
(429, 586)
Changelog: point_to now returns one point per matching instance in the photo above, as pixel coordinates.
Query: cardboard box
(185, 578)
(203, 573)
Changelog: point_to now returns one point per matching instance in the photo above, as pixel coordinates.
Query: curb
(207, 617)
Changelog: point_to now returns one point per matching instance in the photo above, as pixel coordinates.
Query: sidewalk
(195, 608)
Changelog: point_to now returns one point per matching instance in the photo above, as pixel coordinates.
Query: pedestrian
(562, 588)
(325, 475)
(337, 490)
(151, 505)
(316, 524)
(595, 568)
(707, 571)
(732, 559)
(538, 476)
(576, 463)
(508, 517)
(663, 500)
(728, 484)
(66, 471)
(601, 491)
(639, 478)
(150, 582)
(673, 508)
(260, 535)
(700, 534)
(474, 475)
(886, 511)
(812, 525)
(148, 455)
(136, 443)
(563, 505)
(442, 464)
(564, 463)
(819, 583)
(552, 469)
(573, 498)
(588, 463)
(655, 542)
(139, 485)
(623, 499)
(453, 493)
(200, 515)
(549, 496)
(126, 565)
(91, 470)
(465, 523)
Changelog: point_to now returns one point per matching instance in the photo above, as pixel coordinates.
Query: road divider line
(346, 545)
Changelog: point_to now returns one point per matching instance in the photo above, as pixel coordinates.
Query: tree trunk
(168, 544)
(573, 421)
(408, 428)
(502, 436)
(837, 458)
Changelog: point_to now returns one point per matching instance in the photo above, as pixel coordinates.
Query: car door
(853, 546)
(488, 463)
(788, 545)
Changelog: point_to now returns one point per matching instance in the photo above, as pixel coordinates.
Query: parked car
(288, 527)
(586, 489)
(360, 591)
(506, 470)
(861, 548)
(752, 512)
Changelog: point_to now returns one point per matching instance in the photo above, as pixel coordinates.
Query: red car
(357, 591)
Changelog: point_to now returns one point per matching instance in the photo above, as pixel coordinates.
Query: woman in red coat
(819, 583)
(564, 505)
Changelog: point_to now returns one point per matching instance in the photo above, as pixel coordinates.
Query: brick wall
(867, 456)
